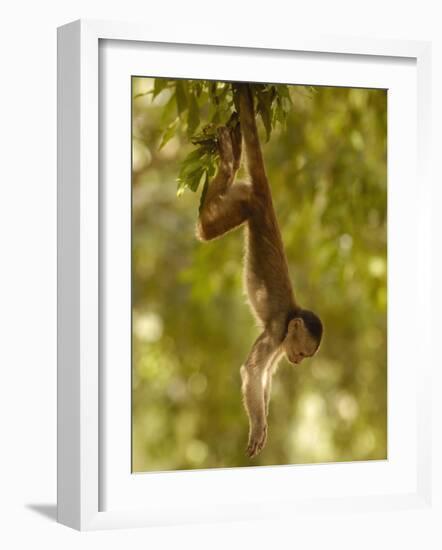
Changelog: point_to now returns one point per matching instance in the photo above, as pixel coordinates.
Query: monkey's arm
(225, 205)
(254, 374)
(268, 382)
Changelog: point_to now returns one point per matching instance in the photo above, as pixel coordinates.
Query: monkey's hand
(254, 376)
(257, 439)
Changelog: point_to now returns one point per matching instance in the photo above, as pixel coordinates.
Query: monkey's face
(299, 343)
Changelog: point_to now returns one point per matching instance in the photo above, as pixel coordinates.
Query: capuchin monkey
(287, 328)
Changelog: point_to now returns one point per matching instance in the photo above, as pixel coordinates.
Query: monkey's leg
(227, 166)
(224, 212)
(226, 206)
(254, 374)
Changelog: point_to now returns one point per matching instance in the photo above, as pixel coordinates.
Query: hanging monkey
(286, 327)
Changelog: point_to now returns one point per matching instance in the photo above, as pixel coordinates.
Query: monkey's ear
(296, 324)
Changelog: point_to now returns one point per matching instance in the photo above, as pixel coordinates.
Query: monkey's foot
(257, 440)
(225, 144)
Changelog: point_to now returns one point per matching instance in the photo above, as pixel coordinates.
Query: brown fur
(266, 276)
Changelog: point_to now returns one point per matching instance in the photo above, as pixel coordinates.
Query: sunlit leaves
(273, 104)
(197, 167)
(198, 107)
(159, 85)
(265, 98)
(200, 164)
(181, 96)
(169, 110)
(168, 134)
(193, 117)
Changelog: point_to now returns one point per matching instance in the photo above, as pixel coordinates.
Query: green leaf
(265, 110)
(283, 91)
(193, 156)
(212, 92)
(193, 117)
(286, 105)
(197, 87)
(142, 94)
(279, 113)
(181, 187)
(191, 163)
(197, 179)
(181, 96)
(169, 110)
(168, 134)
(158, 86)
(222, 95)
(221, 113)
(190, 179)
(197, 167)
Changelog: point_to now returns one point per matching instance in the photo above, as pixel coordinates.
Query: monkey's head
(304, 334)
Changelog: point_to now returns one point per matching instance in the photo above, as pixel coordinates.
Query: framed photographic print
(243, 241)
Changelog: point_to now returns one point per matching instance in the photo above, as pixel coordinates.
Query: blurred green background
(192, 329)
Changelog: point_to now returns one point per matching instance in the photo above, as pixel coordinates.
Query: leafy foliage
(201, 106)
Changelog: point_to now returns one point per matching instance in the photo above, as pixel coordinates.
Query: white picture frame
(83, 444)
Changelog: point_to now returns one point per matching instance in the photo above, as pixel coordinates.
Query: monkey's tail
(255, 161)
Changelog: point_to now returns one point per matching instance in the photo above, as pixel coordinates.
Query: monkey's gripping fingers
(257, 440)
